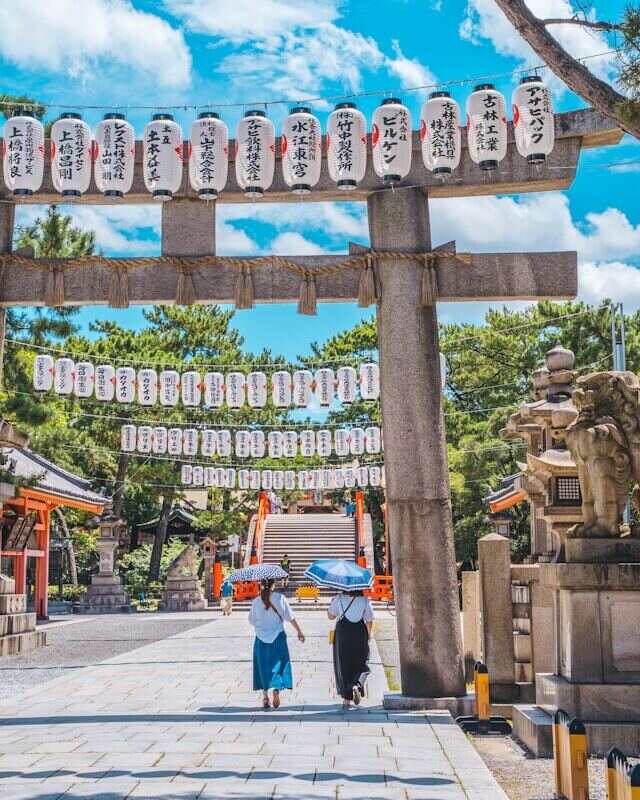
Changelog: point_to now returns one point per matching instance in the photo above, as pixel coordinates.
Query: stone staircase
(305, 538)
(18, 632)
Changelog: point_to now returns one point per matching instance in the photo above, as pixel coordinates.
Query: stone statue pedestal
(18, 632)
(182, 590)
(106, 595)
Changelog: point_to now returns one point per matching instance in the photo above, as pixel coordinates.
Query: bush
(134, 567)
(69, 592)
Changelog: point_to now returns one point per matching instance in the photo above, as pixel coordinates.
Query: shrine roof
(178, 514)
(556, 461)
(507, 495)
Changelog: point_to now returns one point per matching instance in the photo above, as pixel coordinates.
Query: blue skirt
(272, 664)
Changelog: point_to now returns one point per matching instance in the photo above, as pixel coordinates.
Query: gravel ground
(74, 643)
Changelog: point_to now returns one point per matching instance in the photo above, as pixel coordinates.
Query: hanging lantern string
(287, 101)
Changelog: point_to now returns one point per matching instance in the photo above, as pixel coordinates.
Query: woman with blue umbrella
(354, 615)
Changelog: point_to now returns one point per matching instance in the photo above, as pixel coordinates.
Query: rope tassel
(244, 294)
(54, 288)
(429, 284)
(308, 300)
(367, 290)
(185, 289)
(119, 288)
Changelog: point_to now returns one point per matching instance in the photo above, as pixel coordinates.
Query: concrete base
(183, 594)
(592, 702)
(456, 706)
(600, 551)
(106, 595)
(18, 632)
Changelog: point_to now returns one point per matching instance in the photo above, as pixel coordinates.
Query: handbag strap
(344, 613)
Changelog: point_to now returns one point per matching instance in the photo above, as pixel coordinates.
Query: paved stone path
(177, 719)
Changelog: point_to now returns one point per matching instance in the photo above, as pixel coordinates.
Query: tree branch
(596, 92)
(583, 23)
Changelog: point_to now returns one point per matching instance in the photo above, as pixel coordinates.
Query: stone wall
(18, 632)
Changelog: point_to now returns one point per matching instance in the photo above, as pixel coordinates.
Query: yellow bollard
(623, 780)
(483, 723)
(481, 683)
(570, 758)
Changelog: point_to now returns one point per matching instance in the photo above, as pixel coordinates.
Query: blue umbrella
(339, 574)
(258, 572)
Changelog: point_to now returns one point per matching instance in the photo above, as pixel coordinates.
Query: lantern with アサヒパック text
(208, 155)
(43, 369)
(301, 150)
(70, 155)
(162, 156)
(114, 155)
(391, 140)
(533, 120)
(346, 146)
(23, 154)
(63, 376)
(255, 153)
(440, 133)
(486, 126)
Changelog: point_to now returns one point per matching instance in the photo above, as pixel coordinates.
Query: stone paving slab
(177, 719)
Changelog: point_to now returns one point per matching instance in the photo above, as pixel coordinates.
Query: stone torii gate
(418, 496)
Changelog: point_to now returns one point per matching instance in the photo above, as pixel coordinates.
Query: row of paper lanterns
(235, 389)
(327, 478)
(111, 152)
(250, 444)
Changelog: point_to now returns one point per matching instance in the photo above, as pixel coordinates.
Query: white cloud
(409, 70)
(82, 39)
(294, 244)
(615, 280)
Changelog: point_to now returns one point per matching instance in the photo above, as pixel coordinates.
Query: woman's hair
(354, 593)
(266, 588)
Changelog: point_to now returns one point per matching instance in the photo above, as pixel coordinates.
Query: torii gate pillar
(417, 476)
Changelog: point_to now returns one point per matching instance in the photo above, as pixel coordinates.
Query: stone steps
(18, 632)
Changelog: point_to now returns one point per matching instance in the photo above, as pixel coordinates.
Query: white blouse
(267, 623)
(360, 608)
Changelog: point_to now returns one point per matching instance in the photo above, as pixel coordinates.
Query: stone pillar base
(592, 702)
(456, 706)
(18, 632)
(183, 594)
(106, 595)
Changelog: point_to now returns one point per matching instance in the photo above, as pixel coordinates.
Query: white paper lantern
(374, 476)
(235, 389)
(278, 480)
(391, 140)
(369, 381)
(190, 388)
(347, 379)
(341, 441)
(224, 443)
(533, 120)
(281, 389)
(301, 150)
(114, 153)
(362, 477)
(147, 387)
(257, 389)
(198, 476)
(289, 480)
(307, 443)
(169, 387)
(214, 389)
(356, 441)
(302, 386)
(325, 385)
(346, 146)
(162, 156)
(243, 479)
(311, 479)
(349, 477)
(23, 154)
(83, 378)
(302, 479)
(257, 444)
(63, 376)
(290, 444)
(208, 443)
(209, 476)
(243, 444)
(190, 442)
(275, 444)
(218, 477)
(323, 443)
(160, 440)
(486, 127)
(440, 133)
(186, 474)
(229, 478)
(125, 384)
(128, 438)
(105, 383)
(255, 153)
(145, 439)
(254, 479)
(43, 369)
(208, 155)
(266, 480)
(174, 441)
(338, 477)
(70, 155)
(372, 439)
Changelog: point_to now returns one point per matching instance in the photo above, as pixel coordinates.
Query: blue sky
(192, 52)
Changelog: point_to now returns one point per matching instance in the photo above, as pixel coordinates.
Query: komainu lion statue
(604, 440)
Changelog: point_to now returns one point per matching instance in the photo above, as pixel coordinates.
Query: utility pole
(618, 337)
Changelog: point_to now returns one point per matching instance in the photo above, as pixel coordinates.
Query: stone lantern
(106, 595)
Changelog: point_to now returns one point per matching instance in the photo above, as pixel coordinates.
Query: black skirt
(350, 655)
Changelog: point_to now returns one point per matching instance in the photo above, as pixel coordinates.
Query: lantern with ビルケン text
(147, 381)
(323, 443)
(169, 381)
(243, 444)
(372, 439)
(374, 476)
(301, 150)
(43, 369)
(347, 379)
(125, 384)
(255, 479)
(114, 155)
(341, 441)
(440, 133)
(174, 441)
(290, 444)
(278, 480)
(362, 477)
(71, 147)
(224, 443)
(307, 443)
(214, 389)
(63, 376)
(391, 141)
(145, 439)
(190, 442)
(533, 120)
(302, 385)
(346, 146)
(255, 153)
(186, 475)
(208, 155)
(243, 479)
(275, 443)
(325, 385)
(289, 480)
(281, 389)
(83, 379)
(338, 477)
(257, 445)
(369, 381)
(235, 389)
(356, 441)
(266, 480)
(162, 156)
(257, 389)
(208, 443)
(23, 154)
(190, 388)
(160, 440)
(105, 383)
(486, 126)
(128, 438)
(198, 475)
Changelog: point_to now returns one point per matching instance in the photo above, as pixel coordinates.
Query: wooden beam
(575, 129)
(489, 276)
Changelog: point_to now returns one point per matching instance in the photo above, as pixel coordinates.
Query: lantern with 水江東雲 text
(440, 133)
(486, 127)
(23, 154)
(70, 155)
(255, 153)
(114, 155)
(162, 156)
(533, 120)
(391, 140)
(208, 155)
(347, 146)
(301, 150)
